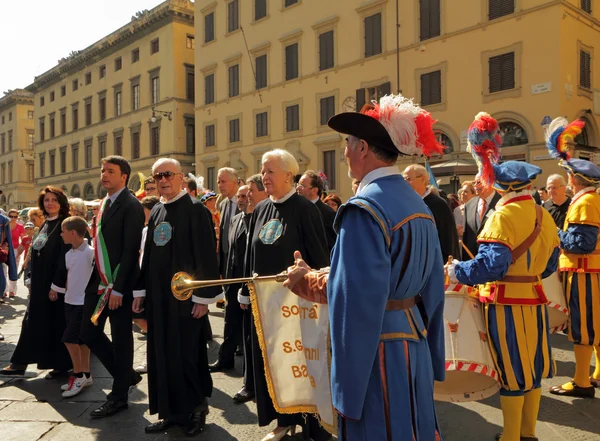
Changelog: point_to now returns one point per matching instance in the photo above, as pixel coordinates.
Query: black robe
(302, 230)
(44, 323)
(445, 224)
(178, 376)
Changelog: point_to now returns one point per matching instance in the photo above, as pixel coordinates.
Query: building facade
(17, 141)
(130, 94)
(271, 72)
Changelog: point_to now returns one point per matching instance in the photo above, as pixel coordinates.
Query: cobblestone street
(32, 408)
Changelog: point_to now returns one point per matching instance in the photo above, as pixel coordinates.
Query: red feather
(426, 139)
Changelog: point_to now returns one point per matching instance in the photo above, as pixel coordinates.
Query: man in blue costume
(385, 288)
(518, 247)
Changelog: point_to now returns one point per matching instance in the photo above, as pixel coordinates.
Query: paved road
(32, 408)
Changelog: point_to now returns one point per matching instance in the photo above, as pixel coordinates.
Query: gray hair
(232, 172)
(257, 180)
(559, 178)
(163, 161)
(418, 169)
(287, 160)
(78, 205)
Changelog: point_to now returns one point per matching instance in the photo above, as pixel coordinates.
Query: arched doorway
(10, 201)
(88, 192)
(134, 182)
(64, 188)
(588, 137)
(101, 191)
(512, 134)
(75, 191)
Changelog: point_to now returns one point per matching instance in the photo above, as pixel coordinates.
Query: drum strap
(522, 249)
(402, 304)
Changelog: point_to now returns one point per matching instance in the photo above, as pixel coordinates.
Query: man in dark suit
(120, 228)
(234, 268)
(477, 211)
(228, 183)
(311, 186)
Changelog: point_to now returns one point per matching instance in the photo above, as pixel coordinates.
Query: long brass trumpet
(182, 284)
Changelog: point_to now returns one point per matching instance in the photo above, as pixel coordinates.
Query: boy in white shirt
(79, 262)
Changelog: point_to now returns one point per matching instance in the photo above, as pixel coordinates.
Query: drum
(558, 314)
(470, 371)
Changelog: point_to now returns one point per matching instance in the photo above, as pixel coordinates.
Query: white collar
(581, 192)
(513, 194)
(427, 193)
(115, 195)
(176, 198)
(52, 218)
(314, 201)
(83, 246)
(291, 193)
(378, 173)
(490, 197)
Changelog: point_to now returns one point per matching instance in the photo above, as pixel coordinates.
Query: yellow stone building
(131, 93)
(16, 150)
(271, 72)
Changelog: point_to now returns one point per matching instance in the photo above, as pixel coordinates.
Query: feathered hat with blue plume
(484, 142)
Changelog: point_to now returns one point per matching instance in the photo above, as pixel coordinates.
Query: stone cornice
(141, 23)
(17, 96)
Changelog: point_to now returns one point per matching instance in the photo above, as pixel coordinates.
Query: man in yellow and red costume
(580, 259)
(518, 247)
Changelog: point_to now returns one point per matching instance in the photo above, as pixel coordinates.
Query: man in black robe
(416, 175)
(558, 201)
(180, 238)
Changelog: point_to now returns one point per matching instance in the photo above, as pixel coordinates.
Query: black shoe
(196, 423)
(14, 370)
(136, 377)
(56, 373)
(243, 396)
(577, 391)
(159, 426)
(109, 408)
(217, 366)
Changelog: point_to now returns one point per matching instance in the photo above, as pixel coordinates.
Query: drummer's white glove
(451, 272)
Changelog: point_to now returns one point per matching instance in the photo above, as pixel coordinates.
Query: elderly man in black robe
(180, 238)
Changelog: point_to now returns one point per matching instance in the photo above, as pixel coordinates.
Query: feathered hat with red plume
(484, 142)
(394, 123)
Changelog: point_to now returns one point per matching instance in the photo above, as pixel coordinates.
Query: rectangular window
(209, 27)
(2, 144)
(63, 90)
(10, 171)
(10, 145)
(154, 140)
(154, 46)
(586, 5)
(119, 145)
(135, 55)
(52, 127)
(210, 177)
(101, 150)
(326, 50)
(63, 160)
(75, 156)
(500, 8)
(31, 172)
(327, 107)
(190, 136)
(292, 118)
(190, 87)
(155, 89)
(118, 103)
(431, 88)
(3, 172)
(88, 78)
(51, 98)
(234, 130)
(261, 71)
(42, 130)
(135, 97)
(289, 3)
(135, 145)
(42, 157)
(233, 19)
(585, 70)
(102, 71)
(88, 112)
(30, 140)
(429, 14)
(102, 107)
(189, 42)
(209, 89)
(75, 85)
(118, 64)
(329, 167)
(209, 135)
(63, 122)
(10, 116)
(262, 128)
(51, 162)
(29, 114)
(260, 9)
(234, 80)
(88, 154)
(42, 101)
(373, 35)
(291, 61)
(75, 116)
(502, 72)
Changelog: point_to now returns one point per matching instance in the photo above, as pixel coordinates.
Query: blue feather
(552, 144)
(476, 137)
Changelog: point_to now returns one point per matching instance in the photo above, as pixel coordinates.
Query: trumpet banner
(294, 339)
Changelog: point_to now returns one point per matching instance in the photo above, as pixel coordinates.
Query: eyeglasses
(303, 186)
(151, 188)
(13, 217)
(554, 188)
(169, 175)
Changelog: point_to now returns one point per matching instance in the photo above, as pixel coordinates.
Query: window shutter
(434, 19)
(436, 87)
(500, 8)
(322, 52)
(424, 13)
(585, 78)
(385, 89)
(425, 90)
(508, 71)
(586, 5)
(495, 74)
(360, 99)
(368, 37)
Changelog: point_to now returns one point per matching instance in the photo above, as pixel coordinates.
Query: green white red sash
(107, 277)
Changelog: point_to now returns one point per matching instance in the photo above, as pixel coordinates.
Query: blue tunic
(384, 362)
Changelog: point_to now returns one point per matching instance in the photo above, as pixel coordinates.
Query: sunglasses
(169, 175)
(13, 217)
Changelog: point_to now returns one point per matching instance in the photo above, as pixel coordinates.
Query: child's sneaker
(86, 382)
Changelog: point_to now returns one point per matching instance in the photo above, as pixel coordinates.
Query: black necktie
(106, 208)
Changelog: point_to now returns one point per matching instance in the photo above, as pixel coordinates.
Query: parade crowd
(381, 261)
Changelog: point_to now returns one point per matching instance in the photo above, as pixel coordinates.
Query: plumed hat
(514, 175)
(484, 142)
